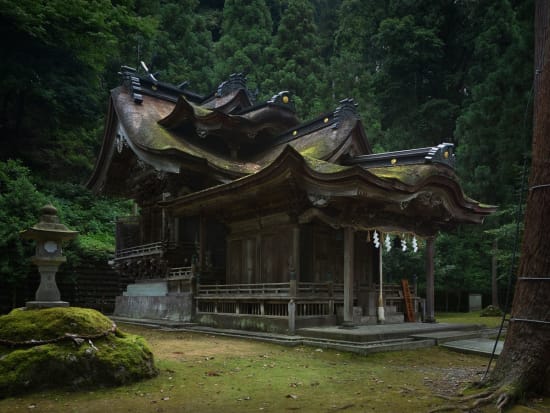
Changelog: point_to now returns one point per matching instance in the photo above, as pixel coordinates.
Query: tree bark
(524, 365)
(494, 275)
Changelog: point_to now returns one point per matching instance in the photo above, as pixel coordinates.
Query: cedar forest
(422, 72)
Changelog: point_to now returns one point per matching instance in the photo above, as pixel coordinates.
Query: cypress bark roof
(248, 149)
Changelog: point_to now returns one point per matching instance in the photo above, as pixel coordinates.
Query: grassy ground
(206, 373)
(473, 317)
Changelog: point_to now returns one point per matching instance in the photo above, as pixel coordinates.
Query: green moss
(158, 138)
(408, 174)
(322, 166)
(114, 359)
(199, 111)
(45, 324)
(319, 149)
(491, 311)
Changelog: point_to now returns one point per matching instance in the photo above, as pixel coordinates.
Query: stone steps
(442, 337)
(480, 346)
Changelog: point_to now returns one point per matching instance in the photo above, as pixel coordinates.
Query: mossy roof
(392, 184)
(315, 149)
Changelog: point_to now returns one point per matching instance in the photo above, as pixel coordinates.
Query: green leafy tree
(463, 262)
(20, 203)
(246, 33)
(352, 68)
(492, 130)
(296, 62)
(181, 48)
(92, 216)
(51, 92)
(409, 51)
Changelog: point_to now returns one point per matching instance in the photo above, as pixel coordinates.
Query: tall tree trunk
(524, 365)
(494, 275)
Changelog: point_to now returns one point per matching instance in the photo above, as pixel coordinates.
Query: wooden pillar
(296, 252)
(380, 310)
(294, 262)
(430, 299)
(202, 243)
(291, 316)
(164, 230)
(349, 249)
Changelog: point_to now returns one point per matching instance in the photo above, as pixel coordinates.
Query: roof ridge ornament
(151, 75)
(283, 99)
(442, 153)
(346, 109)
(236, 81)
(132, 82)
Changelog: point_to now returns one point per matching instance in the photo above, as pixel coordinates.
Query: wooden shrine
(247, 217)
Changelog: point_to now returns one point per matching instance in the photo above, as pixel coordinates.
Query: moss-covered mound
(68, 347)
(491, 311)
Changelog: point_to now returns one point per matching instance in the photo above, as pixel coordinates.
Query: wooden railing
(154, 248)
(235, 290)
(180, 273)
(305, 288)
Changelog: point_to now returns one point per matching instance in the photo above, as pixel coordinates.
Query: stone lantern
(48, 234)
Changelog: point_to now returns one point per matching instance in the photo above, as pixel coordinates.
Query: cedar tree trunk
(524, 365)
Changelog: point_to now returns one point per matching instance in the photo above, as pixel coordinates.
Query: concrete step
(367, 333)
(323, 343)
(441, 337)
(151, 323)
(372, 347)
(275, 338)
(453, 335)
(480, 346)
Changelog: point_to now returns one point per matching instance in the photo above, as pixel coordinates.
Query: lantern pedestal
(45, 304)
(47, 294)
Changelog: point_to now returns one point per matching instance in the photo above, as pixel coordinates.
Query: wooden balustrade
(142, 250)
(292, 300)
(180, 273)
(269, 307)
(233, 290)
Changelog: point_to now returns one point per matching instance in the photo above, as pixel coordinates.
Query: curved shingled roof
(418, 187)
(166, 133)
(176, 131)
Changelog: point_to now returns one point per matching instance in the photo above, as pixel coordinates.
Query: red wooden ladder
(409, 309)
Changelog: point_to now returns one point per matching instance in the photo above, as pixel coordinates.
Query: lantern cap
(49, 227)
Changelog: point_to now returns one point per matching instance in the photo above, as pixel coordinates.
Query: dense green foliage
(422, 72)
(20, 202)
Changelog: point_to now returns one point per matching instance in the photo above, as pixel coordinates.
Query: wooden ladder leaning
(409, 309)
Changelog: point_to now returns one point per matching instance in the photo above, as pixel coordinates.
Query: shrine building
(247, 217)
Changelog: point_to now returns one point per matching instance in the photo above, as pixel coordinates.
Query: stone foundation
(168, 307)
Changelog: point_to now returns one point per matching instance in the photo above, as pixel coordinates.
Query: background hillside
(422, 72)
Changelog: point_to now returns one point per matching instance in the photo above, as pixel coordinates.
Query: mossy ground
(106, 360)
(206, 373)
(473, 317)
